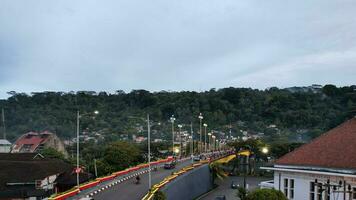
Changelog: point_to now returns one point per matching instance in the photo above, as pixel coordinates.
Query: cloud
(174, 45)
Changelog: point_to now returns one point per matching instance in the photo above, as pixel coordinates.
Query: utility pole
(3, 122)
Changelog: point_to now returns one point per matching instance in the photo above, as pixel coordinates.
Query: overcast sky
(175, 44)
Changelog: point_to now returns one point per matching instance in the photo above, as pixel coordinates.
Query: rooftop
(4, 142)
(334, 149)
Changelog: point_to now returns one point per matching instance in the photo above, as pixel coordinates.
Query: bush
(266, 194)
(159, 196)
(241, 193)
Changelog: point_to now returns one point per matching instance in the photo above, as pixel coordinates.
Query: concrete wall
(189, 185)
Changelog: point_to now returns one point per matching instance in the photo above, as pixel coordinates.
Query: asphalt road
(224, 188)
(128, 190)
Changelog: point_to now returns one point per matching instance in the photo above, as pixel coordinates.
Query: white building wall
(5, 148)
(302, 184)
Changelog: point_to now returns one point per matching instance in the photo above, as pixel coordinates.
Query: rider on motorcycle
(138, 179)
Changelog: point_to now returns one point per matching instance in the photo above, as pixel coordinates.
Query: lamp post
(200, 132)
(205, 126)
(149, 150)
(192, 140)
(78, 122)
(148, 146)
(180, 140)
(209, 136)
(213, 137)
(172, 119)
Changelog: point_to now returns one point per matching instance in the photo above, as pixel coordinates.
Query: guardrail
(158, 186)
(74, 191)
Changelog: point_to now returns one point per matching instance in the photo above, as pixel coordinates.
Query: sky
(175, 45)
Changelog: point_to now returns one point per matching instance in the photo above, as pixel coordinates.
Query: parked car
(234, 185)
(170, 165)
(196, 158)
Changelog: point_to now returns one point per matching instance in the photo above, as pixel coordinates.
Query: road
(224, 187)
(128, 190)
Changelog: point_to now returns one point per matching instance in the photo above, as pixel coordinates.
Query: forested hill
(290, 109)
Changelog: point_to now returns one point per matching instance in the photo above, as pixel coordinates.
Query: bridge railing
(75, 190)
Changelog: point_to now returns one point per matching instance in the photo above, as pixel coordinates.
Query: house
(324, 169)
(5, 146)
(34, 142)
(32, 176)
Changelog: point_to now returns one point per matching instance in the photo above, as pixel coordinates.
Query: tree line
(242, 108)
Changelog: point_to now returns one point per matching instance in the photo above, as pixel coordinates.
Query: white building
(324, 169)
(5, 146)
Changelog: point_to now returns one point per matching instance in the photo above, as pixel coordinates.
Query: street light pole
(77, 170)
(172, 121)
(191, 142)
(149, 151)
(209, 146)
(205, 126)
(200, 132)
(180, 140)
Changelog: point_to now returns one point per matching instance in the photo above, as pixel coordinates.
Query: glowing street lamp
(176, 150)
(265, 150)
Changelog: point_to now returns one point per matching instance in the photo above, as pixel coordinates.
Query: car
(234, 185)
(170, 165)
(196, 158)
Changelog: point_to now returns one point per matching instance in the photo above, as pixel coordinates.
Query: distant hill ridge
(313, 107)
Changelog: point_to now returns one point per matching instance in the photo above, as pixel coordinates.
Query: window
(320, 192)
(328, 189)
(312, 191)
(291, 189)
(354, 193)
(286, 187)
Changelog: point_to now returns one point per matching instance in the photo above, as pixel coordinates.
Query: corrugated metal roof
(4, 142)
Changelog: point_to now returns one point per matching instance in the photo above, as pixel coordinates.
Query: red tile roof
(334, 149)
(31, 138)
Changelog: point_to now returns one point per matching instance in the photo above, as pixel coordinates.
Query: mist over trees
(246, 108)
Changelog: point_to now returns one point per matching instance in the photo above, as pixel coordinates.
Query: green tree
(121, 155)
(159, 195)
(242, 193)
(266, 194)
(52, 153)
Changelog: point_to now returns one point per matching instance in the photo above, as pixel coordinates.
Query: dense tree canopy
(290, 110)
